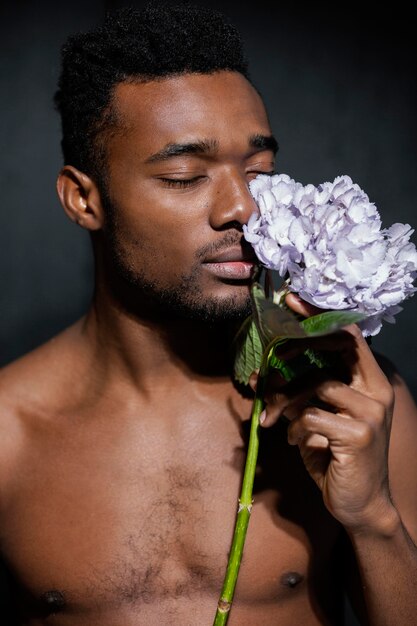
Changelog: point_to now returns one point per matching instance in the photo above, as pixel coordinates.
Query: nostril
(233, 224)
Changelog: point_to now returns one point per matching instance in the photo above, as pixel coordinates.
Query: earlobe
(80, 198)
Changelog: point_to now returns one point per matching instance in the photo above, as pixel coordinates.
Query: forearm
(387, 560)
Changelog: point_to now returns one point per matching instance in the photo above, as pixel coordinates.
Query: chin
(225, 309)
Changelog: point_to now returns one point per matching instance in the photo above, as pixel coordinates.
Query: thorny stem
(245, 500)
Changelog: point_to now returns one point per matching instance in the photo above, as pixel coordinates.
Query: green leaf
(249, 349)
(316, 358)
(329, 322)
(258, 298)
(280, 322)
(273, 320)
(282, 366)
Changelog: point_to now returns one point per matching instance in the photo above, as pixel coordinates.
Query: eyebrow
(209, 146)
(205, 146)
(264, 142)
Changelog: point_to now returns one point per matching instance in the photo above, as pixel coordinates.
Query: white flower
(328, 240)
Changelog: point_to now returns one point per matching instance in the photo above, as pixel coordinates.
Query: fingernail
(262, 417)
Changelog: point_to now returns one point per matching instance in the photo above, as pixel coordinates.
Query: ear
(80, 198)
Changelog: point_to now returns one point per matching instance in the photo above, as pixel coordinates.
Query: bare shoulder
(31, 387)
(35, 375)
(403, 441)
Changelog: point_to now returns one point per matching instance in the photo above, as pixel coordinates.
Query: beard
(184, 301)
(143, 296)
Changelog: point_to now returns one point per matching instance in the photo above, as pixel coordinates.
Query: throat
(144, 348)
(205, 348)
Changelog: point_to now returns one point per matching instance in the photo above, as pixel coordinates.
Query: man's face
(178, 192)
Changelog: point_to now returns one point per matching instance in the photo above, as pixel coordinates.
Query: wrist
(383, 522)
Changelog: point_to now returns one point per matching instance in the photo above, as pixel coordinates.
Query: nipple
(291, 579)
(54, 600)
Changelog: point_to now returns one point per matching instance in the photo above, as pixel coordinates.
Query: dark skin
(123, 438)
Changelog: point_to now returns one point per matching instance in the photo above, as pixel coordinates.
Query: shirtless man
(123, 438)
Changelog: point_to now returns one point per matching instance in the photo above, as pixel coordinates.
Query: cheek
(152, 243)
(166, 225)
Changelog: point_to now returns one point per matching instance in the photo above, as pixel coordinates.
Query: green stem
(245, 500)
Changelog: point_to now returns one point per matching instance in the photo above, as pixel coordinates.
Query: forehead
(222, 106)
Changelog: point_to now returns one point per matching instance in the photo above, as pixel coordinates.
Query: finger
(351, 403)
(366, 373)
(316, 454)
(339, 341)
(300, 306)
(292, 396)
(275, 378)
(338, 430)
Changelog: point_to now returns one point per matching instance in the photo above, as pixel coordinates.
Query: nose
(233, 202)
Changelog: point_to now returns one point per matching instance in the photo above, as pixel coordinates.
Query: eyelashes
(182, 183)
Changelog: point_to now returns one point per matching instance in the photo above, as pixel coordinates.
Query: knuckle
(328, 388)
(387, 396)
(365, 434)
(309, 416)
(324, 387)
(384, 395)
(379, 413)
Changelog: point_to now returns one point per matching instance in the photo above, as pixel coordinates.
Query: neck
(152, 351)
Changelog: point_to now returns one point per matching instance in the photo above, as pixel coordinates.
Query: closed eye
(255, 173)
(180, 182)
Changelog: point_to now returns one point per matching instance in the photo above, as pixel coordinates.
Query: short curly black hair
(134, 45)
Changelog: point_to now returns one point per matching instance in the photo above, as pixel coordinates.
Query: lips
(232, 264)
(234, 255)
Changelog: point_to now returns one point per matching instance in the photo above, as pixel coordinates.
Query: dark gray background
(341, 93)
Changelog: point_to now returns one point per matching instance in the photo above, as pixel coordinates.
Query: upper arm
(402, 470)
(10, 450)
(402, 459)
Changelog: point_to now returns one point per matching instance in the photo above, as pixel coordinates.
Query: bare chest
(106, 530)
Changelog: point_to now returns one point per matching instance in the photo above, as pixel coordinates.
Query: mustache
(230, 240)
